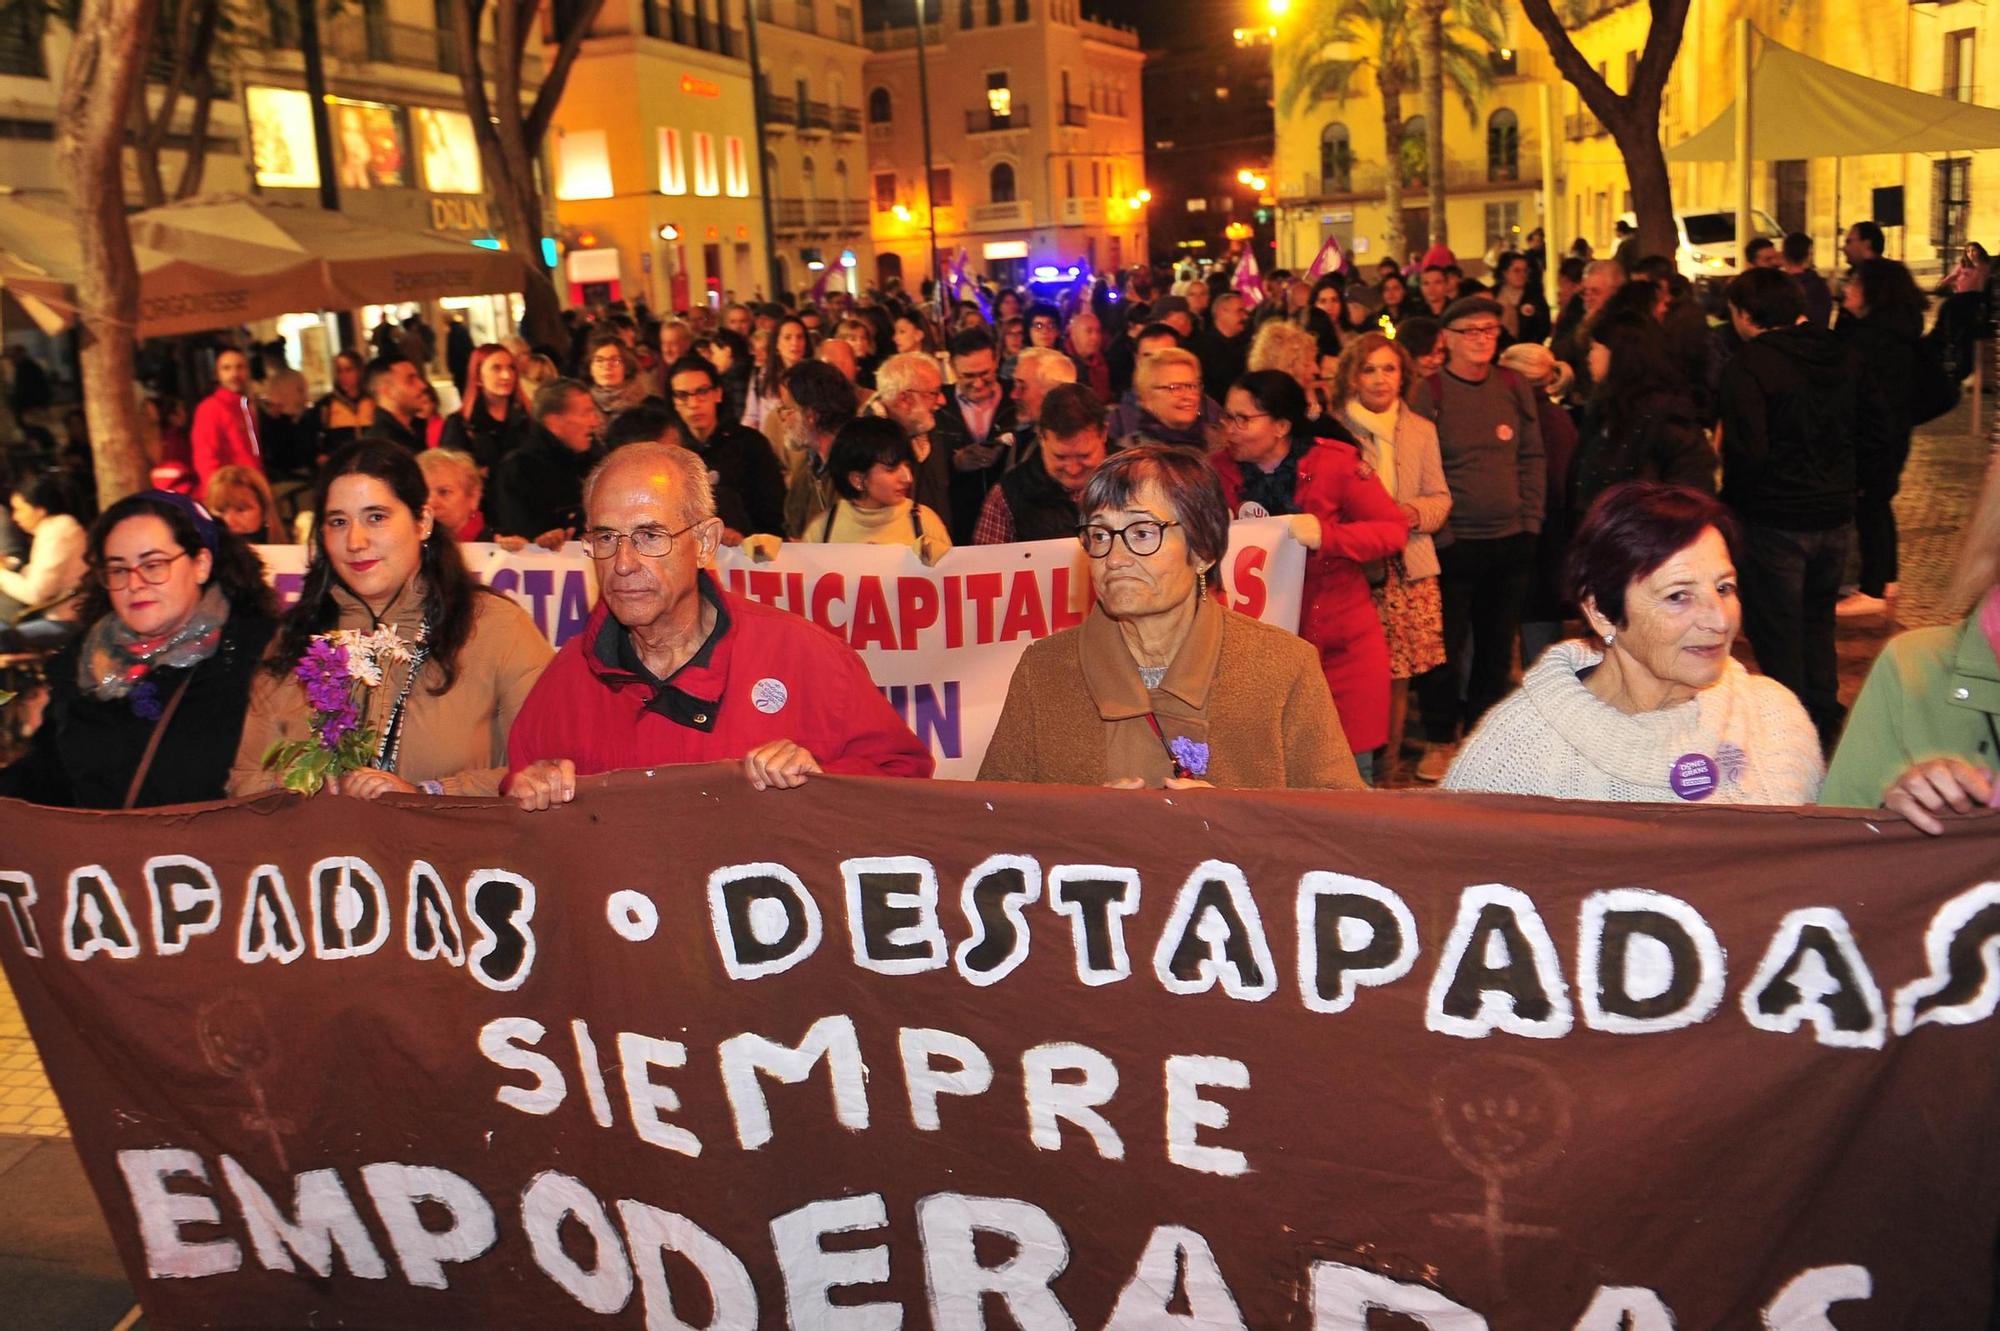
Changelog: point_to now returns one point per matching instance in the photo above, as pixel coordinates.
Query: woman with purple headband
(146, 706)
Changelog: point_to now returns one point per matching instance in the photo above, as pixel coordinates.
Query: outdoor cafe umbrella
(41, 259)
(357, 263)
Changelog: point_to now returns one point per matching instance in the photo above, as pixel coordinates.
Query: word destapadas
(1645, 962)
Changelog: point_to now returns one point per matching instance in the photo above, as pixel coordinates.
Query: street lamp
(1278, 8)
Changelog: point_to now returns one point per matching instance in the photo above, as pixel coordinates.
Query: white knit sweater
(1553, 736)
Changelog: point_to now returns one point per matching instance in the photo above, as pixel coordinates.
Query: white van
(1708, 253)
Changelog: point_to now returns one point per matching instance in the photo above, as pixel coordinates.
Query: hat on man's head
(1466, 306)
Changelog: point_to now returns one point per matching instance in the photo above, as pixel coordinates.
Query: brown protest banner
(872, 1055)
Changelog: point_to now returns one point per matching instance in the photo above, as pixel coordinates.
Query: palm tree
(1339, 43)
(1447, 39)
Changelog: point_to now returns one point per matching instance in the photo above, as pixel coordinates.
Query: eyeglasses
(1236, 420)
(1178, 390)
(116, 577)
(1048, 325)
(602, 542)
(692, 395)
(1477, 330)
(1142, 538)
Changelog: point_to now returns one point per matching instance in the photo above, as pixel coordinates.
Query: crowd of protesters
(1472, 466)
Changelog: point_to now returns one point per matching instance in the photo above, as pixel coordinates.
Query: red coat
(225, 435)
(1358, 522)
(769, 675)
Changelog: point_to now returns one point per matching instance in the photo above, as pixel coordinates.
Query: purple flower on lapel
(1191, 755)
(146, 701)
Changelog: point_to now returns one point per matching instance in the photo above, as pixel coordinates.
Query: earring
(1201, 583)
(1610, 638)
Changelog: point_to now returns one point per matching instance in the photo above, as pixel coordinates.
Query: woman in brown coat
(1161, 685)
(441, 720)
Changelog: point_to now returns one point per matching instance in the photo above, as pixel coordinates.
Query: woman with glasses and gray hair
(1161, 686)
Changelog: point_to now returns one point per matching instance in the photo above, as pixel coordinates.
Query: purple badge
(1692, 776)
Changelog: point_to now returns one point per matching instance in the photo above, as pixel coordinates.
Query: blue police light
(1048, 272)
(486, 242)
(549, 253)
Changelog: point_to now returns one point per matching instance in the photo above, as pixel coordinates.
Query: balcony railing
(779, 110)
(1016, 213)
(1076, 212)
(986, 121)
(1365, 182)
(666, 20)
(847, 120)
(857, 214)
(818, 115)
(1075, 115)
(1583, 125)
(21, 28)
(896, 39)
(369, 38)
(788, 214)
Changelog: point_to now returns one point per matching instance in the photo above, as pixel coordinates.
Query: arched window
(1503, 145)
(1000, 183)
(1415, 154)
(808, 178)
(879, 109)
(1336, 160)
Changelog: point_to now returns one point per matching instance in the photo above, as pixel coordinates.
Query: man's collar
(619, 656)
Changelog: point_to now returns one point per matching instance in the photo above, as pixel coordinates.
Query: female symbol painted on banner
(236, 1042)
(632, 915)
(1502, 1116)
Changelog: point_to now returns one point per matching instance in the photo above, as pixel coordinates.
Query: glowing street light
(1259, 183)
(1278, 8)
(1245, 176)
(1145, 196)
(902, 213)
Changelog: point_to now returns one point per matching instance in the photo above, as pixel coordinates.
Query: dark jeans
(1875, 529)
(1790, 581)
(1484, 585)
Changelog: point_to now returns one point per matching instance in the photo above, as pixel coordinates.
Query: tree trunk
(91, 115)
(1638, 138)
(1392, 156)
(1633, 118)
(1430, 72)
(510, 141)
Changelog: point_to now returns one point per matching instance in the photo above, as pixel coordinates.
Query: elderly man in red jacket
(225, 422)
(671, 668)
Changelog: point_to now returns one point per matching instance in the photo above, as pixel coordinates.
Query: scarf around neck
(115, 662)
(1276, 490)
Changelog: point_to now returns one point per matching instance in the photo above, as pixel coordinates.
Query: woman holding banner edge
(379, 558)
(1161, 685)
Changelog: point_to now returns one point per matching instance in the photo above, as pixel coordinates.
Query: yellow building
(809, 61)
(1037, 142)
(654, 159)
(1928, 46)
(1333, 162)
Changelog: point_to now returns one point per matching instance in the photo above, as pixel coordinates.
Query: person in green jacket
(1923, 740)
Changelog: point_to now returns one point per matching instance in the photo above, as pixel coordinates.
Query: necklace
(390, 749)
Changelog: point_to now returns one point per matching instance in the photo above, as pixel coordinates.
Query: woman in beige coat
(1161, 685)
(1401, 448)
(440, 722)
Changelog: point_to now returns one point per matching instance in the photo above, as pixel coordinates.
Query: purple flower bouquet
(335, 671)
